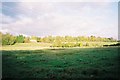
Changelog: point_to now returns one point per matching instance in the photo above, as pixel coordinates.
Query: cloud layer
(61, 18)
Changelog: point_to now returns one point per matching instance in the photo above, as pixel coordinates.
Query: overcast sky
(60, 18)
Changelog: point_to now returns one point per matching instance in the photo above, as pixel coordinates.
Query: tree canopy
(8, 39)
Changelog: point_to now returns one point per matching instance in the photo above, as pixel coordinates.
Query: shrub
(87, 44)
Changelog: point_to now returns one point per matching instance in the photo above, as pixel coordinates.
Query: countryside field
(61, 63)
(37, 46)
(60, 40)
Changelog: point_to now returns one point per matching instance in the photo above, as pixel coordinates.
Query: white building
(33, 40)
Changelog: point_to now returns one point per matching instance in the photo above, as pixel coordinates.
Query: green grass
(37, 46)
(26, 46)
(61, 63)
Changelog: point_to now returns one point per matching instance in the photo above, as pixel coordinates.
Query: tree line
(9, 39)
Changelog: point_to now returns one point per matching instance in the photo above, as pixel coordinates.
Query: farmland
(60, 63)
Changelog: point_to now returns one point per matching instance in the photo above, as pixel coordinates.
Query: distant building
(33, 40)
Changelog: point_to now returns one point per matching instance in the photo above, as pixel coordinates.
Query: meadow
(61, 63)
(37, 46)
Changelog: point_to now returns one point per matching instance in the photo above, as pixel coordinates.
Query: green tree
(20, 39)
(45, 39)
(1, 38)
(34, 37)
(57, 43)
(87, 44)
(50, 39)
(92, 38)
(38, 39)
(8, 39)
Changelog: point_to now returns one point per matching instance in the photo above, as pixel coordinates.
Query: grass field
(37, 46)
(26, 46)
(62, 63)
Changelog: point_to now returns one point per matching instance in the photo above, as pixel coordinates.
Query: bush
(87, 44)
(8, 39)
(20, 39)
